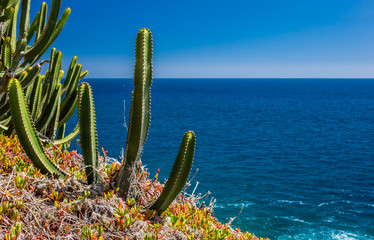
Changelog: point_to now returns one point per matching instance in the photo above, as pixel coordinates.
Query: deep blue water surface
(298, 153)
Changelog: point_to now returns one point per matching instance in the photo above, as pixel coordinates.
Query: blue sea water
(297, 153)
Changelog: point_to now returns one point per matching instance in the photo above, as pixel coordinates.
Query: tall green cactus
(87, 124)
(140, 109)
(26, 131)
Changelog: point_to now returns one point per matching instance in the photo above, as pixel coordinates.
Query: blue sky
(246, 38)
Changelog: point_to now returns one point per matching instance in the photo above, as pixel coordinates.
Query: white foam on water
(323, 204)
(329, 219)
(318, 234)
(294, 219)
(341, 235)
(239, 205)
(291, 202)
(234, 205)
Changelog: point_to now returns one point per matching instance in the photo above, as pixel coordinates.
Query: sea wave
(234, 205)
(291, 202)
(294, 219)
(320, 234)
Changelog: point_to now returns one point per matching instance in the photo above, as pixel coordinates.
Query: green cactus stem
(140, 109)
(88, 136)
(27, 133)
(178, 175)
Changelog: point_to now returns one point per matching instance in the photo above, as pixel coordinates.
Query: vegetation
(65, 194)
(50, 104)
(36, 206)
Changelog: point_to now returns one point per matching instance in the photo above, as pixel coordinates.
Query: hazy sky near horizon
(238, 38)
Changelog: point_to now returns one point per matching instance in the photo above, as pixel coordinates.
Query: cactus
(27, 133)
(50, 109)
(140, 109)
(87, 124)
(18, 59)
(52, 91)
(178, 175)
(14, 50)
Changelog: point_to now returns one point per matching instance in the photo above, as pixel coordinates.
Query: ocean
(297, 154)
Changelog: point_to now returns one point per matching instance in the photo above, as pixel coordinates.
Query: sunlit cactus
(19, 55)
(26, 131)
(140, 109)
(88, 135)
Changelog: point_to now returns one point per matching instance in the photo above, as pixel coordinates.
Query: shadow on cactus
(136, 136)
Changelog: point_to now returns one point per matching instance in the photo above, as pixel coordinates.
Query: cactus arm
(69, 137)
(31, 76)
(50, 110)
(83, 74)
(17, 56)
(42, 18)
(47, 31)
(87, 126)
(53, 125)
(27, 92)
(54, 72)
(24, 20)
(36, 94)
(26, 131)
(65, 116)
(7, 54)
(71, 90)
(140, 114)
(61, 132)
(33, 27)
(140, 109)
(178, 175)
(14, 26)
(59, 26)
(69, 74)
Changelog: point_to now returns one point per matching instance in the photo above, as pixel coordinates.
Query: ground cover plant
(35, 206)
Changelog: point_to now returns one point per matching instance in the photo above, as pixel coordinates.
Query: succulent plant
(137, 132)
(50, 108)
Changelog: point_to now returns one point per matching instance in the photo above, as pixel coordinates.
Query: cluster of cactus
(50, 103)
(137, 131)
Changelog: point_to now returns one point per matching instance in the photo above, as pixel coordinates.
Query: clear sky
(237, 38)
